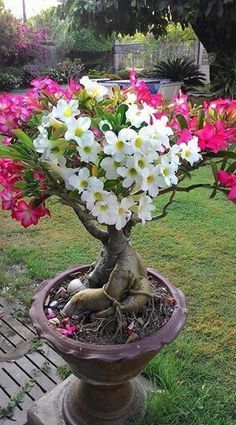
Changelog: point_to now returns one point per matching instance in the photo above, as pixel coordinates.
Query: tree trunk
(216, 42)
(118, 279)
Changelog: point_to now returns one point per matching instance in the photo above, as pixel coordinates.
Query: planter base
(58, 400)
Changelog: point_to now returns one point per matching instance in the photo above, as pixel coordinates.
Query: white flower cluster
(139, 156)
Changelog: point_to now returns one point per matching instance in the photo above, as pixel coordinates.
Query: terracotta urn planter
(103, 391)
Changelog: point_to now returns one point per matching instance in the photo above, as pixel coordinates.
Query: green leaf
(11, 152)
(201, 116)
(57, 133)
(21, 135)
(214, 170)
(182, 121)
(231, 168)
(226, 154)
(110, 184)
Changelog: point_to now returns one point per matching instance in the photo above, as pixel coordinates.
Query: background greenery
(195, 247)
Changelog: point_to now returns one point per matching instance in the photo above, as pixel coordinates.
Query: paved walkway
(35, 369)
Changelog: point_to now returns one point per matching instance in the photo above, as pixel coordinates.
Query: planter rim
(106, 352)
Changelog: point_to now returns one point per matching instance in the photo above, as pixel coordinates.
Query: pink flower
(6, 140)
(7, 123)
(185, 136)
(50, 314)
(28, 215)
(215, 137)
(8, 199)
(5, 102)
(228, 180)
(69, 330)
(181, 105)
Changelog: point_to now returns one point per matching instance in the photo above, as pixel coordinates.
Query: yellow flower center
(68, 112)
(119, 144)
(103, 207)
(166, 171)
(84, 183)
(132, 172)
(117, 164)
(98, 196)
(187, 153)
(95, 92)
(121, 211)
(138, 142)
(141, 163)
(79, 132)
(87, 149)
(150, 179)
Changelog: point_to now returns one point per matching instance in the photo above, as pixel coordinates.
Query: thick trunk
(118, 280)
(217, 42)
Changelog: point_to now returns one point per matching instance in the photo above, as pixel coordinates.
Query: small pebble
(54, 321)
(53, 304)
(133, 337)
(60, 293)
(75, 286)
(47, 301)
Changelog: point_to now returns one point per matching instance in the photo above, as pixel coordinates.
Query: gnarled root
(119, 282)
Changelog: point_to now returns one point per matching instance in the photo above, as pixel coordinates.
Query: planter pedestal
(104, 391)
(52, 404)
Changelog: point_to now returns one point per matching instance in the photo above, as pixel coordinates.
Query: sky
(32, 6)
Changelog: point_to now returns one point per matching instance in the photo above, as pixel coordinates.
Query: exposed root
(118, 280)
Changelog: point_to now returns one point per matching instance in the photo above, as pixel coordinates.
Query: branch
(85, 218)
(165, 208)
(192, 187)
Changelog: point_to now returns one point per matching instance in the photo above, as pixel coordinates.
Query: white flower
(63, 171)
(42, 144)
(137, 116)
(145, 208)
(78, 129)
(129, 172)
(190, 151)
(123, 212)
(110, 166)
(130, 98)
(152, 180)
(174, 153)
(80, 182)
(168, 170)
(158, 134)
(89, 150)
(106, 210)
(94, 193)
(64, 111)
(94, 89)
(118, 146)
(142, 162)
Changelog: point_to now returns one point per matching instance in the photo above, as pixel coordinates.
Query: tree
(213, 21)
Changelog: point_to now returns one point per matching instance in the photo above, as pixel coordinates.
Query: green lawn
(195, 247)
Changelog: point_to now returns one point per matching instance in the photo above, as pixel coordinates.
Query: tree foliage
(213, 21)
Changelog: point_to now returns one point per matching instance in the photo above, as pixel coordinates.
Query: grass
(195, 247)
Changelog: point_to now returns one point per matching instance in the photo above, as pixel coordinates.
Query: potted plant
(108, 157)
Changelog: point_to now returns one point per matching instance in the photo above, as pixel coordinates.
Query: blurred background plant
(181, 69)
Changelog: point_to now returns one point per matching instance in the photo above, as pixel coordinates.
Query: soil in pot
(118, 328)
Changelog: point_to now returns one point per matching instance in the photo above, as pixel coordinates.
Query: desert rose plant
(108, 155)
